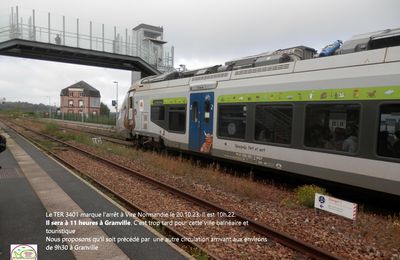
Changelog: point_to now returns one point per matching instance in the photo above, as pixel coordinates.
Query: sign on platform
(336, 206)
(97, 140)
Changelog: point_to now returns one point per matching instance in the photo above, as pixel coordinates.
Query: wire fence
(96, 119)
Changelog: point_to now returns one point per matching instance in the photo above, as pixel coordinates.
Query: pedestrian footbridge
(27, 33)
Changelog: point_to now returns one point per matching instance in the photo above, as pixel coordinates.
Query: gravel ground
(372, 236)
(155, 200)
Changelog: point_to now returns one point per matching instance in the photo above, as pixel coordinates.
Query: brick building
(80, 98)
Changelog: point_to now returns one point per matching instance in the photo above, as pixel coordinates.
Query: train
(333, 116)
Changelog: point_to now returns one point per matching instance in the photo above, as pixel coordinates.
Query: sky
(203, 33)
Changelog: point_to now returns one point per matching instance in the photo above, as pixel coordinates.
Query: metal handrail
(29, 29)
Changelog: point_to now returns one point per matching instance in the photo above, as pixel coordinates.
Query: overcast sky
(204, 33)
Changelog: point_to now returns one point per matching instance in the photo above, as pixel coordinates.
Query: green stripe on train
(369, 93)
(169, 101)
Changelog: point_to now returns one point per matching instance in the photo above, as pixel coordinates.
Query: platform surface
(33, 186)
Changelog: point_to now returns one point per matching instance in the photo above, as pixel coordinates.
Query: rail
(121, 199)
(280, 237)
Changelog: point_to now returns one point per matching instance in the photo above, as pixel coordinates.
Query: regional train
(333, 116)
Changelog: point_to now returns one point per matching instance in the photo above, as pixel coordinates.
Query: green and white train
(335, 118)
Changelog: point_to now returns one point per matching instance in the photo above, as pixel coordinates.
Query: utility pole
(116, 104)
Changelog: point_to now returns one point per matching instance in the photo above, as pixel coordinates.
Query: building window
(80, 102)
(177, 118)
(94, 102)
(333, 127)
(389, 131)
(273, 124)
(71, 93)
(232, 121)
(70, 103)
(81, 94)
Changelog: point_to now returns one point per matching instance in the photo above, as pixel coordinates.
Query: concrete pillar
(136, 75)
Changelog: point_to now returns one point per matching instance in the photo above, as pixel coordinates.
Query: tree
(104, 110)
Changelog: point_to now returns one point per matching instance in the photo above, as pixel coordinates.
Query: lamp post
(116, 103)
(83, 105)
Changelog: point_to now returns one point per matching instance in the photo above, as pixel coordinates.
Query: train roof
(361, 42)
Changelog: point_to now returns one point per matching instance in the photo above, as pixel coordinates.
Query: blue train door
(201, 122)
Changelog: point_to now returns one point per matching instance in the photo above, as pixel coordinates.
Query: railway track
(102, 136)
(305, 249)
(106, 189)
(108, 137)
(378, 203)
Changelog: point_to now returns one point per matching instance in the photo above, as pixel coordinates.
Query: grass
(198, 254)
(190, 172)
(305, 195)
(289, 202)
(51, 129)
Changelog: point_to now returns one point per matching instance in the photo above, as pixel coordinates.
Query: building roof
(149, 27)
(88, 91)
(155, 41)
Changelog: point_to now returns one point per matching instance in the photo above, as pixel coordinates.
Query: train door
(201, 122)
(131, 112)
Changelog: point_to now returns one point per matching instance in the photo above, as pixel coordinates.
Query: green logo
(23, 252)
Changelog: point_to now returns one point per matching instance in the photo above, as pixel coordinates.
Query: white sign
(97, 140)
(336, 206)
(75, 89)
(141, 105)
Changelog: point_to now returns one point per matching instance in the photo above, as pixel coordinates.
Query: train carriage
(334, 116)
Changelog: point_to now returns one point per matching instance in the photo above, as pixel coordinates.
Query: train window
(195, 111)
(130, 102)
(232, 121)
(177, 118)
(389, 131)
(207, 109)
(157, 113)
(332, 127)
(273, 124)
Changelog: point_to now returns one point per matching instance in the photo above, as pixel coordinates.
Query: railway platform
(43, 204)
